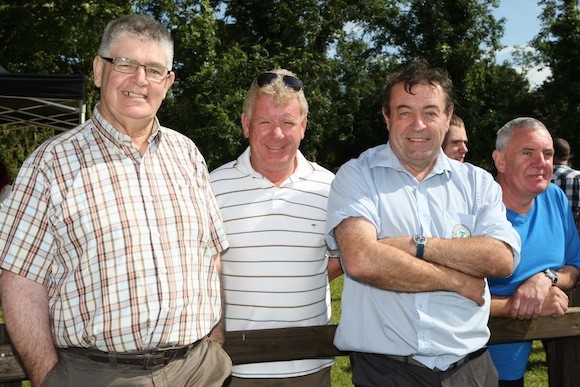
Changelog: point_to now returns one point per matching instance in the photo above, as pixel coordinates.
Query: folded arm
(392, 267)
(477, 256)
(536, 297)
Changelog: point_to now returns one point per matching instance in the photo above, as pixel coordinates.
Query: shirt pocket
(458, 225)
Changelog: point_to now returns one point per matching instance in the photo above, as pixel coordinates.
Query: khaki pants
(206, 365)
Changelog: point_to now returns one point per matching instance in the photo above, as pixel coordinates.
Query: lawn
(536, 374)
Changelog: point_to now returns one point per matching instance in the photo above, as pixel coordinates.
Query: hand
(471, 287)
(530, 296)
(555, 304)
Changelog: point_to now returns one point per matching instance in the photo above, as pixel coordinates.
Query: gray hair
(505, 133)
(282, 94)
(137, 26)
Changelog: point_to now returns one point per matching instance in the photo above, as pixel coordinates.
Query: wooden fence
(561, 339)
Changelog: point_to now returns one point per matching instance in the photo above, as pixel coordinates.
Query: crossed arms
(455, 265)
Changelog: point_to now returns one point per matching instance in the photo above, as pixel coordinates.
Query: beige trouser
(206, 365)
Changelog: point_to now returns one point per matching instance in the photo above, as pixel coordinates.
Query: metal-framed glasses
(290, 81)
(155, 72)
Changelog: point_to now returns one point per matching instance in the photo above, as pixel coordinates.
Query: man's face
(527, 163)
(131, 100)
(417, 125)
(274, 132)
(455, 145)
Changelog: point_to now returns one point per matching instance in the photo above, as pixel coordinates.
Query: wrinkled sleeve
(491, 216)
(351, 195)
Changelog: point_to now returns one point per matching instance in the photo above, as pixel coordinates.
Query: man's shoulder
(320, 173)
(470, 172)
(372, 157)
(64, 143)
(562, 172)
(553, 194)
(224, 169)
(174, 136)
(226, 177)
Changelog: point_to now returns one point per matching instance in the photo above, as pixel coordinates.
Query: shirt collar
(385, 157)
(116, 136)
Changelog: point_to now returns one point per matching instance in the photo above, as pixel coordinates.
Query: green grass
(536, 373)
(340, 374)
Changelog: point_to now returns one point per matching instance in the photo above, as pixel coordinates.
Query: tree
(44, 37)
(462, 37)
(558, 44)
(243, 39)
(342, 51)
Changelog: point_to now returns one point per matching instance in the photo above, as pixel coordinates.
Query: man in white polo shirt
(273, 202)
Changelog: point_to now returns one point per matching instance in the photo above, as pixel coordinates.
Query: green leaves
(342, 50)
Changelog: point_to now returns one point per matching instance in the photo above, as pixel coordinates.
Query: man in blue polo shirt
(550, 255)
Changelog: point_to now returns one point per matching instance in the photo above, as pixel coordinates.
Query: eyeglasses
(290, 81)
(130, 66)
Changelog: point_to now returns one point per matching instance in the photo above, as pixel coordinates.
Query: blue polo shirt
(549, 241)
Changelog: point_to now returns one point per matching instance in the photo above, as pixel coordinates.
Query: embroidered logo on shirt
(460, 231)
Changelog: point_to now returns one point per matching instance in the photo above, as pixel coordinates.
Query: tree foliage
(558, 44)
(342, 50)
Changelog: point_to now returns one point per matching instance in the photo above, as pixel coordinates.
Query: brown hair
(419, 72)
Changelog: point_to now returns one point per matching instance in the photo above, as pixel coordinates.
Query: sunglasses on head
(290, 81)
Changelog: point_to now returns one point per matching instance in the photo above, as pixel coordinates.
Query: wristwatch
(552, 275)
(420, 241)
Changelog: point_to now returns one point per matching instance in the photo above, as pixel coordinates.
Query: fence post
(563, 355)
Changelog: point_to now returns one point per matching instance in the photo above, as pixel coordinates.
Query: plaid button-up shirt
(123, 242)
(569, 180)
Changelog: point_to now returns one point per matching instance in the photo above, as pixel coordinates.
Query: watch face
(419, 239)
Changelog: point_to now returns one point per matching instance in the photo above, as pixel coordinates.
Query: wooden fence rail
(311, 342)
(561, 338)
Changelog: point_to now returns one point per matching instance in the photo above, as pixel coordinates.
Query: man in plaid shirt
(567, 178)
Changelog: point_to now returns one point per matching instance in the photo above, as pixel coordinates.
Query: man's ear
(303, 124)
(498, 160)
(98, 71)
(246, 125)
(385, 116)
(168, 82)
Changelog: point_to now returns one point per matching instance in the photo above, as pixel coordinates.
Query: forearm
(535, 297)
(26, 314)
(218, 332)
(391, 268)
(500, 306)
(567, 277)
(334, 268)
(477, 256)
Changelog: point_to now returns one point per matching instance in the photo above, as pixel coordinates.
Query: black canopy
(53, 101)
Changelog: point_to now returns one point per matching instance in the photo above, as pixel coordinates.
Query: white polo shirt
(275, 269)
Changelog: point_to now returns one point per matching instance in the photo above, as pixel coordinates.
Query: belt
(146, 359)
(457, 364)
